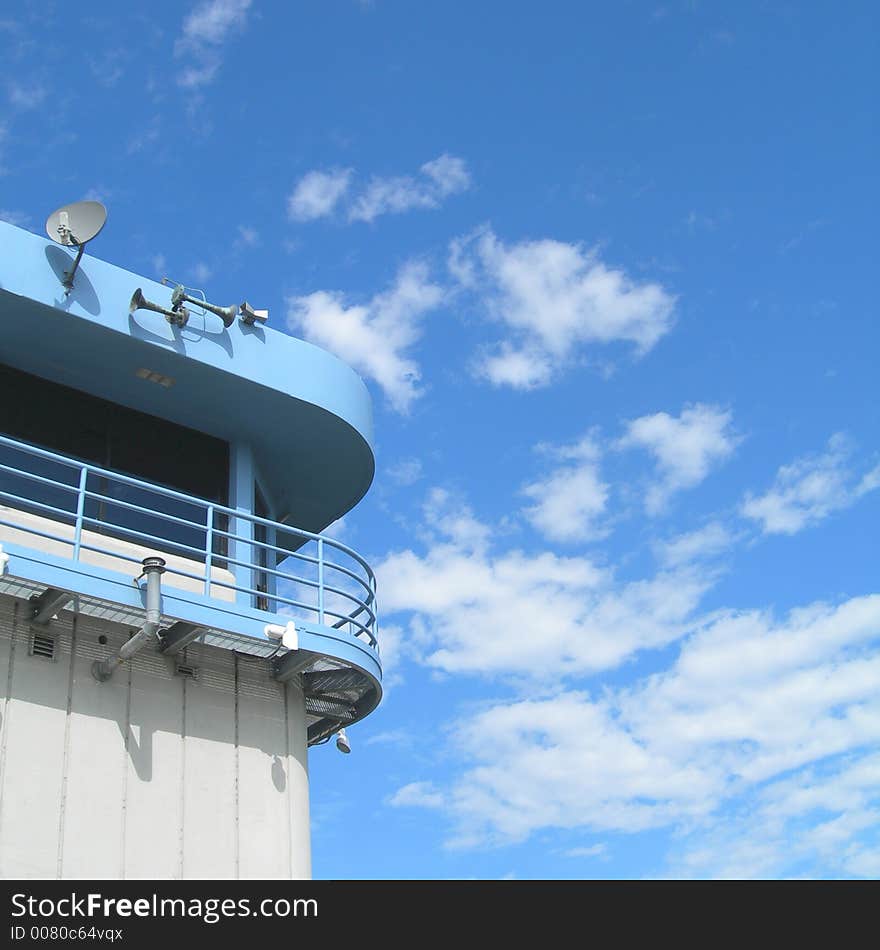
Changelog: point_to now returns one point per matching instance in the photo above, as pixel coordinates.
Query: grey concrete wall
(152, 774)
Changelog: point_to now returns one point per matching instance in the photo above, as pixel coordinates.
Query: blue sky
(607, 270)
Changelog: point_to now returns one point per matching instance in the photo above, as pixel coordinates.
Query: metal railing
(223, 553)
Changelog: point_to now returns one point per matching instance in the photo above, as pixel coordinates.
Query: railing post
(80, 510)
(374, 627)
(241, 528)
(209, 549)
(321, 581)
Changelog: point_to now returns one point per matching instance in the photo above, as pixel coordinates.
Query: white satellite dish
(74, 225)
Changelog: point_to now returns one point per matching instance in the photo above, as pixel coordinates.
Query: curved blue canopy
(306, 415)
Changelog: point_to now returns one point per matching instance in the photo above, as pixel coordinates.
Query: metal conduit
(154, 568)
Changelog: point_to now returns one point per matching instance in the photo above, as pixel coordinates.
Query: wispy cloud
(145, 136)
(809, 489)
(593, 851)
(203, 34)
(375, 337)
(247, 236)
(440, 178)
(108, 67)
(18, 218)
(709, 541)
(685, 448)
(202, 273)
(420, 794)
(405, 472)
(554, 298)
(317, 194)
(26, 95)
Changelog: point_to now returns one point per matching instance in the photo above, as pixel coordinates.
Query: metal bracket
(44, 606)
(67, 283)
(177, 637)
(285, 667)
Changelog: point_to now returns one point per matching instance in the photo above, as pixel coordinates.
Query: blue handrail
(349, 595)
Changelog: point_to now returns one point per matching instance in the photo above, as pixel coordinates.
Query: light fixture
(342, 742)
(151, 376)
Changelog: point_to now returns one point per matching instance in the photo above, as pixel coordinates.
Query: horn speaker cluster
(178, 315)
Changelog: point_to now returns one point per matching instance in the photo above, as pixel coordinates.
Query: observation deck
(226, 451)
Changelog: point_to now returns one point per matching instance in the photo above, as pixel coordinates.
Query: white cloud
(248, 237)
(146, 135)
(564, 762)
(390, 196)
(393, 648)
(202, 273)
(593, 851)
(374, 337)
(212, 21)
(449, 174)
(27, 95)
(570, 499)
(537, 614)
(809, 489)
(18, 218)
(685, 448)
(421, 794)
(757, 748)
(869, 482)
(203, 33)
(706, 542)
(554, 298)
(406, 472)
(520, 368)
(440, 178)
(393, 737)
(317, 193)
(337, 529)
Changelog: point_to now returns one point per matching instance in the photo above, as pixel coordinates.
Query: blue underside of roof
(306, 415)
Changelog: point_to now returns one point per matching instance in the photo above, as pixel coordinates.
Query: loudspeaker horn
(139, 302)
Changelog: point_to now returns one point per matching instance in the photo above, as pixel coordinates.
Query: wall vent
(43, 645)
(190, 672)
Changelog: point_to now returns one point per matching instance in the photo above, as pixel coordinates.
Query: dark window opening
(261, 510)
(119, 439)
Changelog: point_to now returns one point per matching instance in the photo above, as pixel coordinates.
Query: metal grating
(42, 645)
(332, 681)
(329, 707)
(335, 691)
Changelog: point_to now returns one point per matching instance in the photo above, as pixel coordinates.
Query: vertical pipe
(154, 567)
(80, 509)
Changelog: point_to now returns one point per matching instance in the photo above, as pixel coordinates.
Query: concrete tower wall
(154, 774)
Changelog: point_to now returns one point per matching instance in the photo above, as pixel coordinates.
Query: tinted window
(119, 439)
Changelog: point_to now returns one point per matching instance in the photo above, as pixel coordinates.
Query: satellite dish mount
(75, 225)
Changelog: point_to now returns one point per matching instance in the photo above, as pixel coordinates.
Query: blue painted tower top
(226, 450)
